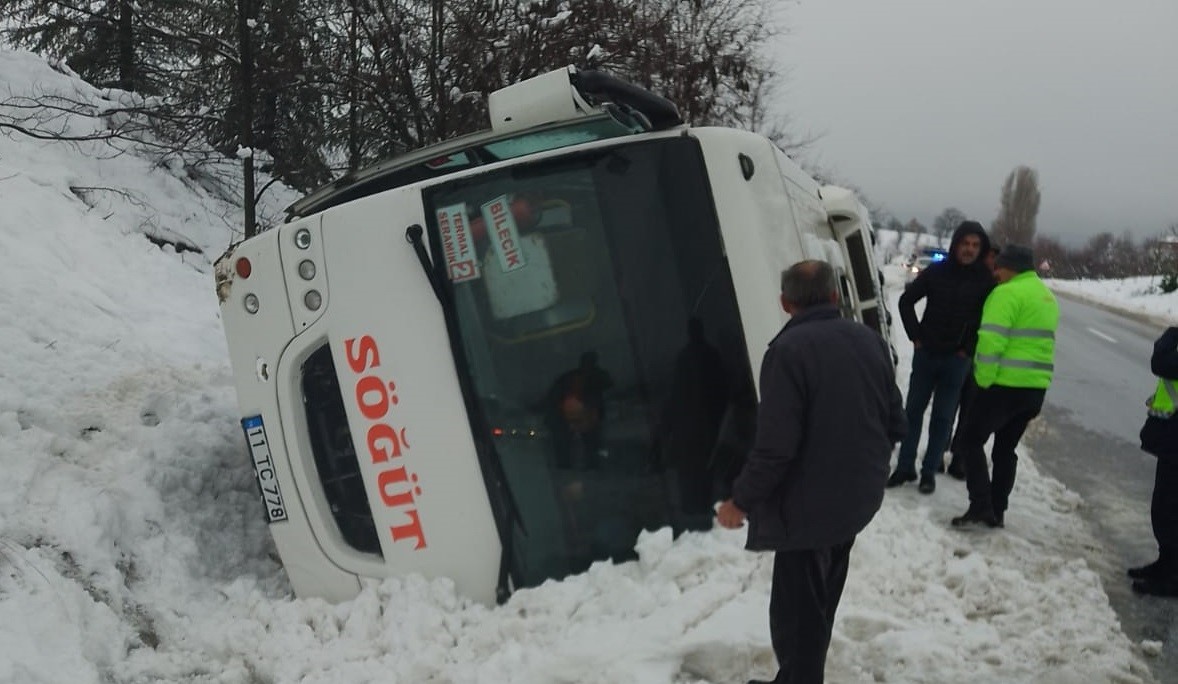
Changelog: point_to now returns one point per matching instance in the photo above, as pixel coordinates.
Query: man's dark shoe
(762, 681)
(1149, 571)
(900, 477)
(976, 517)
(928, 484)
(1157, 586)
(956, 469)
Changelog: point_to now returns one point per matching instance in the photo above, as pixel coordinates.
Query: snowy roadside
(132, 548)
(1042, 536)
(1137, 297)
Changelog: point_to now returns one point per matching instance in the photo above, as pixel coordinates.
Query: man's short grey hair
(808, 283)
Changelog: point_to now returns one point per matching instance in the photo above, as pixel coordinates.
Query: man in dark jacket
(830, 413)
(969, 390)
(1159, 436)
(943, 339)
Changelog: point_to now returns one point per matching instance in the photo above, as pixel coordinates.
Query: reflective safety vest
(1016, 340)
(1164, 399)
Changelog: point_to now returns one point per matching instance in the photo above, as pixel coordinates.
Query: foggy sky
(930, 104)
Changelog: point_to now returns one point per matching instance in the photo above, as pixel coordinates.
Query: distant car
(919, 265)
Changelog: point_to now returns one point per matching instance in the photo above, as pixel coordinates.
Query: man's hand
(729, 516)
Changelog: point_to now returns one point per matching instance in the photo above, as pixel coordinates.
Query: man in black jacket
(943, 339)
(830, 413)
(1159, 436)
(969, 391)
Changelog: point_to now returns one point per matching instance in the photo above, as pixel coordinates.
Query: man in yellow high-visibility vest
(1159, 436)
(1013, 367)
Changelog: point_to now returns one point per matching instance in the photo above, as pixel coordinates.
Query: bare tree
(1096, 255)
(947, 222)
(1020, 206)
(197, 81)
(1162, 258)
(407, 73)
(303, 88)
(1126, 258)
(111, 43)
(1106, 255)
(878, 216)
(1057, 256)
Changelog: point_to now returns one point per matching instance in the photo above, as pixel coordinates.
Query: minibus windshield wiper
(413, 236)
(503, 504)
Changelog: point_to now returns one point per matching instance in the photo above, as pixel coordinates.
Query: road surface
(1087, 439)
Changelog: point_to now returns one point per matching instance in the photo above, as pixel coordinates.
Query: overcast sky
(930, 104)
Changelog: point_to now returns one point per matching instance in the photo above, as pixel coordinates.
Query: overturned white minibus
(499, 358)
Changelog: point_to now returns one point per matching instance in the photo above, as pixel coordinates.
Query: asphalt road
(1087, 439)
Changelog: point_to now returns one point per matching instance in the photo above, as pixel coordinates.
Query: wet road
(1087, 439)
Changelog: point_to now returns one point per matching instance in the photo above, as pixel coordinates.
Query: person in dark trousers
(691, 424)
(969, 389)
(829, 416)
(1159, 436)
(1013, 367)
(943, 340)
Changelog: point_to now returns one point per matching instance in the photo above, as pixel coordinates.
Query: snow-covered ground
(132, 548)
(1140, 295)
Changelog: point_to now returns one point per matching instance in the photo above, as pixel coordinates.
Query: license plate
(255, 436)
